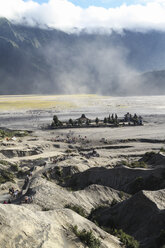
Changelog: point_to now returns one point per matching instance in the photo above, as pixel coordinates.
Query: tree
(97, 120)
(71, 122)
(56, 120)
(105, 120)
(83, 116)
(79, 122)
(87, 122)
(109, 119)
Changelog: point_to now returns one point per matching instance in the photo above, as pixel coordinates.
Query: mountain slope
(142, 216)
(34, 60)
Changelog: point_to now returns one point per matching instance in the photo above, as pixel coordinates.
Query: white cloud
(65, 15)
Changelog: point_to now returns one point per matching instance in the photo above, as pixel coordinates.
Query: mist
(91, 66)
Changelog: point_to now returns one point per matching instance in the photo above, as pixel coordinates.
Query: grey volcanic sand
(152, 108)
(46, 222)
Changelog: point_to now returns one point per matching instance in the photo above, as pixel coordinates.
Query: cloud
(64, 15)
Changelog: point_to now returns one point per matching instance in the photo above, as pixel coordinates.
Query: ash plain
(74, 175)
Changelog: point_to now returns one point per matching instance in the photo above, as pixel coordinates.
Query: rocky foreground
(84, 191)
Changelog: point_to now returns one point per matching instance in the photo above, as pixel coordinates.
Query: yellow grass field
(23, 102)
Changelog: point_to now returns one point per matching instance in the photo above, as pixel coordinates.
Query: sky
(99, 3)
(71, 15)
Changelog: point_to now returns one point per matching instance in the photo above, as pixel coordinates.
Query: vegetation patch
(138, 164)
(127, 240)
(11, 166)
(121, 195)
(14, 167)
(62, 175)
(152, 182)
(95, 213)
(59, 172)
(77, 209)
(148, 156)
(4, 162)
(87, 237)
(135, 164)
(11, 133)
(162, 149)
(6, 176)
(114, 202)
(21, 173)
(46, 209)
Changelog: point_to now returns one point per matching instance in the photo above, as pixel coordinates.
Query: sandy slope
(30, 226)
(21, 227)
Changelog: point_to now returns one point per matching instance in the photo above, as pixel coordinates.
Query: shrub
(94, 212)
(4, 162)
(2, 180)
(59, 172)
(162, 149)
(111, 227)
(121, 194)
(21, 173)
(114, 202)
(6, 176)
(135, 164)
(20, 133)
(68, 151)
(14, 167)
(11, 133)
(124, 162)
(87, 237)
(126, 239)
(138, 164)
(77, 209)
(148, 155)
(46, 209)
